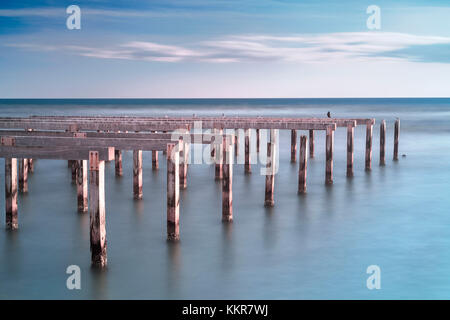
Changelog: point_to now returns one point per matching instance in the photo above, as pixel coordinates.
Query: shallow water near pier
(313, 246)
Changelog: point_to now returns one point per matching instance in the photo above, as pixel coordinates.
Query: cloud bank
(309, 48)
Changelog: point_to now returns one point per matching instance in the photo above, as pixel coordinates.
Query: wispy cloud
(310, 48)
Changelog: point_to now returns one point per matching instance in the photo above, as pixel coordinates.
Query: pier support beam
(236, 142)
(11, 193)
(74, 171)
(173, 193)
(219, 159)
(329, 155)
(30, 165)
(383, 143)
(257, 140)
(23, 175)
(82, 186)
(350, 135)
(118, 162)
(155, 161)
(311, 143)
(137, 174)
(369, 128)
(270, 169)
(396, 138)
(227, 182)
(248, 166)
(293, 146)
(97, 210)
(213, 145)
(183, 157)
(302, 166)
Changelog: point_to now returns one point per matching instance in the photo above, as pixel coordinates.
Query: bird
(328, 114)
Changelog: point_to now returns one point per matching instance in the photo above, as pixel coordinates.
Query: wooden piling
(82, 185)
(97, 210)
(248, 166)
(302, 166)
(11, 193)
(23, 175)
(137, 174)
(396, 138)
(257, 140)
(74, 171)
(236, 142)
(350, 147)
(311, 143)
(183, 164)
(118, 162)
(293, 146)
(173, 194)
(383, 143)
(213, 146)
(227, 182)
(329, 155)
(219, 159)
(155, 161)
(369, 127)
(270, 170)
(30, 165)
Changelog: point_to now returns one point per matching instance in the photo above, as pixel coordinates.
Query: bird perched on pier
(329, 114)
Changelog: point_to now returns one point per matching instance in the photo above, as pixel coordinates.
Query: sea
(325, 244)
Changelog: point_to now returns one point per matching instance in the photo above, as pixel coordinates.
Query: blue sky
(224, 48)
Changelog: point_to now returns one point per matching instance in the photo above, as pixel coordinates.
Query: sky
(224, 49)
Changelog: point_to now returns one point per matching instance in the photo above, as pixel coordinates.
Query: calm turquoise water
(316, 246)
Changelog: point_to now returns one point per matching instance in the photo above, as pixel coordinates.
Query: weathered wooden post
(11, 193)
(329, 155)
(311, 143)
(82, 186)
(173, 193)
(218, 159)
(183, 163)
(248, 166)
(302, 166)
(383, 143)
(350, 135)
(227, 181)
(293, 145)
(118, 162)
(23, 175)
(369, 127)
(236, 142)
(137, 174)
(257, 140)
(74, 171)
(97, 210)
(396, 138)
(30, 165)
(155, 161)
(213, 146)
(270, 169)
(164, 151)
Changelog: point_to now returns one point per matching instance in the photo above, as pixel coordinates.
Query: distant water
(316, 246)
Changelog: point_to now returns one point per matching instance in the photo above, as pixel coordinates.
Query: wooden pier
(87, 142)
